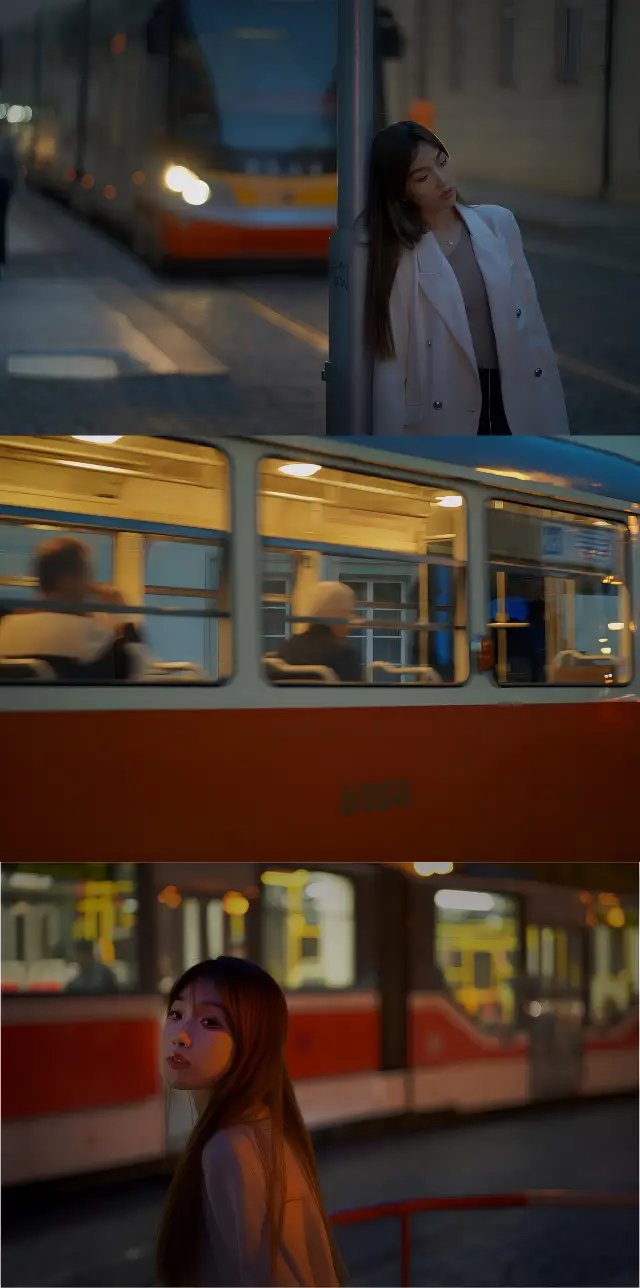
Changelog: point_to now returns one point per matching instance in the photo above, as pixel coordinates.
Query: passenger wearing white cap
(324, 642)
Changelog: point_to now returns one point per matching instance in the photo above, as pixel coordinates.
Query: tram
(411, 990)
(497, 590)
(203, 129)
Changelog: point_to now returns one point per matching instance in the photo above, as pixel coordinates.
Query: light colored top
(474, 293)
(34, 634)
(235, 1250)
(82, 638)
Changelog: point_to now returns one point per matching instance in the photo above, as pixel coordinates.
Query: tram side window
(309, 932)
(363, 578)
(560, 609)
(193, 926)
(69, 928)
(477, 951)
(132, 596)
(613, 985)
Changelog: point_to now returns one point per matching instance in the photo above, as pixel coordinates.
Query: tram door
(554, 1009)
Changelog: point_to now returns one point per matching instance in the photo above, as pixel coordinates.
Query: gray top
(474, 293)
(235, 1249)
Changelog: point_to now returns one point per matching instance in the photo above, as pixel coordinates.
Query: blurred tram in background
(497, 716)
(408, 994)
(204, 129)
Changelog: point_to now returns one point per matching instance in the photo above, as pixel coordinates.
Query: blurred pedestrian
(458, 338)
(76, 644)
(93, 976)
(325, 643)
(244, 1205)
(9, 170)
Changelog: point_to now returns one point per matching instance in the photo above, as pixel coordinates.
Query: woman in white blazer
(459, 342)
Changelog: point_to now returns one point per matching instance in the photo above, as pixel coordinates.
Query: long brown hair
(393, 222)
(258, 1020)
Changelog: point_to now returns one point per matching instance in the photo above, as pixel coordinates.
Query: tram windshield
(258, 76)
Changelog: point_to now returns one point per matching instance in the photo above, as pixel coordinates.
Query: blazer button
(538, 371)
(518, 313)
(437, 406)
(428, 344)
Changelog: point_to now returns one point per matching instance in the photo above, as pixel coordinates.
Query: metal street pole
(349, 371)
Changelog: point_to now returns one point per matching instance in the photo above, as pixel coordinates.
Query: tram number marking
(340, 276)
(375, 798)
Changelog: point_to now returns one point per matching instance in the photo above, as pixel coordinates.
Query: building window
(477, 952)
(507, 43)
(309, 935)
(392, 600)
(20, 544)
(568, 41)
(278, 579)
(185, 585)
(458, 45)
(560, 609)
(69, 928)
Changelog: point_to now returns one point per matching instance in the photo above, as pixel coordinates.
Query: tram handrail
(404, 1209)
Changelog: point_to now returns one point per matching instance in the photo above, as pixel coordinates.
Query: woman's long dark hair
(392, 221)
(258, 1019)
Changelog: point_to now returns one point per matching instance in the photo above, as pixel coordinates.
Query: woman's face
(197, 1042)
(431, 182)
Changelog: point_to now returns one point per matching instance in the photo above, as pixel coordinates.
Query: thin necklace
(447, 241)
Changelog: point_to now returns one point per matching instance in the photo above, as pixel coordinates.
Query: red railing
(404, 1209)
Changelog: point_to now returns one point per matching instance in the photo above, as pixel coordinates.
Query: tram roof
(559, 463)
(575, 466)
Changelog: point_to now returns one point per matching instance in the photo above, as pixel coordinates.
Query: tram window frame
(327, 553)
(555, 513)
(361, 907)
(147, 531)
(142, 936)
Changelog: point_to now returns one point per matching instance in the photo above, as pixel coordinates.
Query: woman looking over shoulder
(453, 321)
(244, 1205)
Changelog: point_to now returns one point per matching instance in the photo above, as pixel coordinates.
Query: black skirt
(492, 417)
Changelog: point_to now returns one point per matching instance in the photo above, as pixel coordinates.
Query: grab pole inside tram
(349, 371)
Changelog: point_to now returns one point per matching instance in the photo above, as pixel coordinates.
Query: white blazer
(432, 386)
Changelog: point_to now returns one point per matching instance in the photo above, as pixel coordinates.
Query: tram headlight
(178, 179)
(175, 177)
(196, 192)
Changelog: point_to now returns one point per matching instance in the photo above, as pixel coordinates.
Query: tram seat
(425, 674)
(279, 672)
(582, 668)
(160, 671)
(25, 668)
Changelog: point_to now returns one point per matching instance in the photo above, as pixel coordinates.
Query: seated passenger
(77, 645)
(324, 644)
(92, 976)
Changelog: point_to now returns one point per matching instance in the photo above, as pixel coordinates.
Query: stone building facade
(543, 94)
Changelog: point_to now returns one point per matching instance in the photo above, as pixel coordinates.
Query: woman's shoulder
(496, 216)
(235, 1142)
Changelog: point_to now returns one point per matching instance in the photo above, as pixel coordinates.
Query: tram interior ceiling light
(299, 470)
(449, 502)
(101, 439)
(432, 869)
